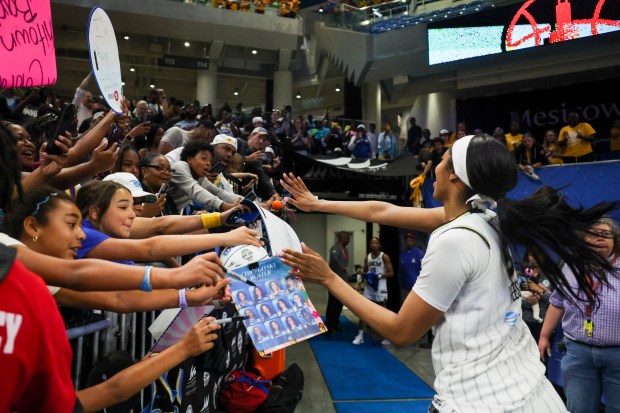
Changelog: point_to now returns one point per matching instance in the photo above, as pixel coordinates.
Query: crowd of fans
(123, 188)
(288, 8)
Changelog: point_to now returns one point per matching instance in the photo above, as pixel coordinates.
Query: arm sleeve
(183, 180)
(79, 95)
(451, 260)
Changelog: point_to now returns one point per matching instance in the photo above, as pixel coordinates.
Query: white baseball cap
(269, 149)
(221, 138)
(444, 132)
(257, 119)
(130, 182)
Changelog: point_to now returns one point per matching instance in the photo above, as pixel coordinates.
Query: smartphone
(218, 168)
(114, 135)
(63, 124)
(162, 190)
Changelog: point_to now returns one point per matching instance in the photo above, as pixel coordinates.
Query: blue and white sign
(103, 51)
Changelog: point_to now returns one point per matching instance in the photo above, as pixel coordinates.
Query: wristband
(211, 220)
(182, 299)
(145, 285)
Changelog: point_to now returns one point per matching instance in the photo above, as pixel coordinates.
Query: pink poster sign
(27, 53)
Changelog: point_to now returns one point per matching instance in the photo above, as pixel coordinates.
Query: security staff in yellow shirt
(576, 138)
(514, 138)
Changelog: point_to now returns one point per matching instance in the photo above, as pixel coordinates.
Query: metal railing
(116, 332)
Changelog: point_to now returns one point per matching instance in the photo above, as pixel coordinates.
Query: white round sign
(104, 60)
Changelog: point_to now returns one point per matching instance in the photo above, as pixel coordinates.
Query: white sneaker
(359, 339)
(386, 342)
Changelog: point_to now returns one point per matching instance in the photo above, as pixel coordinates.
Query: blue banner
(583, 184)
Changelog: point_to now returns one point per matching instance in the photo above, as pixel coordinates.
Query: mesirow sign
(553, 117)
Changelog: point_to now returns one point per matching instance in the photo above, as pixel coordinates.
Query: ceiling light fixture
(254, 51)
(132, 69)
(123, 83)
(337, 88)
(126, 37)
(298, 96)
(236, 92)
(186, 44)
(152, 86)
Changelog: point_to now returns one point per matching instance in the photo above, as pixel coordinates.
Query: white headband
(459, 161)
(459, 158)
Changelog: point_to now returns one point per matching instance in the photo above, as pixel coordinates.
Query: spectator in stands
(49, 223)
(373, 137)
(498, 134)
(150, 142)
(614, 136)
(435, 157)
(108, 218)
(226, 124)
(552, 148)
(299, 138)
(514, 138)
(128, 161)
(333, 141)
(159, 105)
(176, 137)
(576, 140)
(140, 196)
(360, 146)
(155, 172)
(590, 323)
(190, 184)
(188, 119)
(83, 99)
(252, 152)
(387, 143)
(410, 264)
(141, 113)
(541, 288)
(530, 154)
(289, 8)
(460, 126)
(444, 134)
(414, 136)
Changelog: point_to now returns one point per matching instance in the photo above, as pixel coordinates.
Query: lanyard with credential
(588, 325)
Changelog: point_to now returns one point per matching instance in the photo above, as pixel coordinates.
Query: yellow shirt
(512, 141)
(574, 146)
(614, 139)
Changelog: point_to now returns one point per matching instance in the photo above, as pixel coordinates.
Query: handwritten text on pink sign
(27, 54)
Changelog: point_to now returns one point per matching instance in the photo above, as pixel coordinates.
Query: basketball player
(484, 357)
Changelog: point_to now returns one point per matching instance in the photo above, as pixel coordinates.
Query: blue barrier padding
(87, 329)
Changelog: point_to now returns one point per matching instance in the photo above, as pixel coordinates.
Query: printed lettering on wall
(27, 53)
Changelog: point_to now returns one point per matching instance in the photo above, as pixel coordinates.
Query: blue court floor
(317, 397)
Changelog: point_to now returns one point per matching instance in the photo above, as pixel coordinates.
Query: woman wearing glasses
(590, 367)
(155, 174)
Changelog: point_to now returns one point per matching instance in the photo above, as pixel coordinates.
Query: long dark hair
(37, 203)
(10, 171)
(545, 224)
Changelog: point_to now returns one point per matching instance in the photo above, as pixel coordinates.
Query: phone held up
(218, 168)
(64, 123)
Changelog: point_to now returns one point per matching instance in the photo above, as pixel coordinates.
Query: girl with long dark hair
(484, 356)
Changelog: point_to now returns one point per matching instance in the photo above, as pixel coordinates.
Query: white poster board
(104, 60)
(280, 234)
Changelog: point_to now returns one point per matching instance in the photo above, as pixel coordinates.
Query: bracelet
(211, 220)
(145, 285)
(182, 299)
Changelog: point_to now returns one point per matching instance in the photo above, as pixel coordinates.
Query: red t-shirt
(34, 351)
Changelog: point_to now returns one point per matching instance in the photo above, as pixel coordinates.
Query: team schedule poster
(279, 310)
